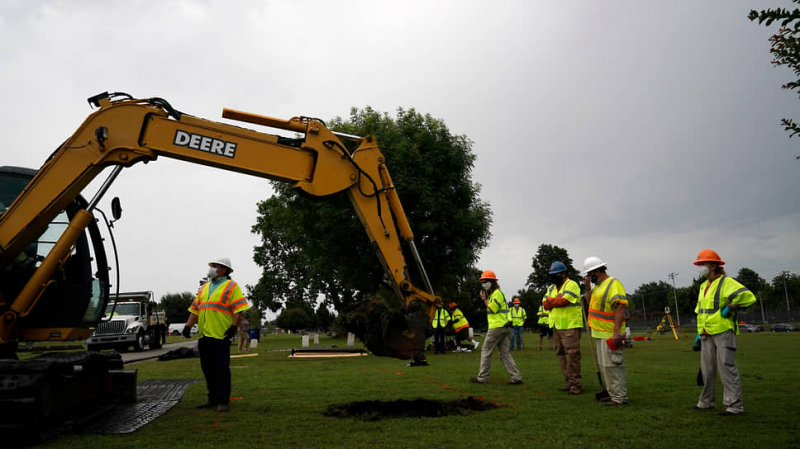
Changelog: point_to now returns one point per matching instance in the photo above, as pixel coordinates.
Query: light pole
(675, 294)
(785, 292)
(644, 311)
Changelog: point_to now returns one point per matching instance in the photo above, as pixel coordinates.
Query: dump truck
(54, 270)
(132, 319)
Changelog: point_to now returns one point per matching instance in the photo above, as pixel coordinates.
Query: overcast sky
(637, 131)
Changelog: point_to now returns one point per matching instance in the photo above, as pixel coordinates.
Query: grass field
(281, 402)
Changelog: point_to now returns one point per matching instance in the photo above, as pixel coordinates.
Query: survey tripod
(668, 320)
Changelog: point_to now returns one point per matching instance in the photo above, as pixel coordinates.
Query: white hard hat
(224, 261)
(592, 263)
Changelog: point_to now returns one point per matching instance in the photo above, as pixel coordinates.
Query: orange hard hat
(488, 274)
(516, 301)
(452, 304)
(708, 255)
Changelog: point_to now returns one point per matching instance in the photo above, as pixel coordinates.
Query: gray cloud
(641, 132)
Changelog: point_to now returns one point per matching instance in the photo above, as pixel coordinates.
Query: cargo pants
(718, 353)
(612, 364)
(568, 353)
(497, 338)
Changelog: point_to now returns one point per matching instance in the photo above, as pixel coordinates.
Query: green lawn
(282, 402)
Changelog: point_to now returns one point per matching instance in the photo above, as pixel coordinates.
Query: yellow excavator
(54, 271)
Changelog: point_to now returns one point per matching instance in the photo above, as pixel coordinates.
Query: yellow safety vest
(544, 319)
(441, 318)
(518, 316)
(569, 316)
(722, 292)
(215, 310)
(459, 320)
(603, 307)
(497, 312)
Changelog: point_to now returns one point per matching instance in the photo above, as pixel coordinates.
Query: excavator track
(45, 396)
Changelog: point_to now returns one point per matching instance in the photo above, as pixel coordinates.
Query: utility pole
(675, 293)
(785, 292)
(644, 311)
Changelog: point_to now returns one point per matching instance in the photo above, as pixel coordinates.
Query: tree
(319, 248)
(176, 306)
(785, 288)
(539, 280)
(653, 296)
(293, 319)
(323, 318)
(751, 280)
(785, 48)
(254, 317)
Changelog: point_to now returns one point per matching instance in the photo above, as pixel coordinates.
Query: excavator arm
(122, 133)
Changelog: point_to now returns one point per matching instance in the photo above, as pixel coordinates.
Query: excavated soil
(417, 408)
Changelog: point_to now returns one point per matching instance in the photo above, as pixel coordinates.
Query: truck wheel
(157, 339)
(138, 345)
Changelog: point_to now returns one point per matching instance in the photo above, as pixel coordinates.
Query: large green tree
(176, 306)
(294, 319)
(319, 249)
(785, 288)
(539, 279)
(785, 48)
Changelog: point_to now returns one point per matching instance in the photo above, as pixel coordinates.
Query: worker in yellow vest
(497, 335)
(564, 304)
(461, 327)
(518, 315)
(719, 299)
(217, 310)
(607, 304)
(440, 321)
(544, 326)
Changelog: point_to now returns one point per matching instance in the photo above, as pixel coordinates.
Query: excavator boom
(122, 133)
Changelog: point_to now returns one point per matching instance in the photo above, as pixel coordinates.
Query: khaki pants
(612, 364)
(568, 353)
(719, 354)
(497, 338)
(244, 341)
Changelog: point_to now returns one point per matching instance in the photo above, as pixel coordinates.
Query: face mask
(703, 270)
(486, 285)
(212, 272)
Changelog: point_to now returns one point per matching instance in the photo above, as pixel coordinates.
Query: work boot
(575, 390)
(516, 382)
(615, 403)
(564, 388)
(207, 404)
(222, 408)
(475, 380)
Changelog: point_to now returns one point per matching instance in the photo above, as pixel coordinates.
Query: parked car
(749, 328)
(175, 329)
(783, 327)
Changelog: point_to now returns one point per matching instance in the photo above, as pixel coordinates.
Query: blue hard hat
(557, 267)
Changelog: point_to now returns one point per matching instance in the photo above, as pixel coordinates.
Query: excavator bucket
(389, 333)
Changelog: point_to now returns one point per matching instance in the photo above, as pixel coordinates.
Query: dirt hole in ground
(417, 408)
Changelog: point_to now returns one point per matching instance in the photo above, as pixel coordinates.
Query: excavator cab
(77, 294)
